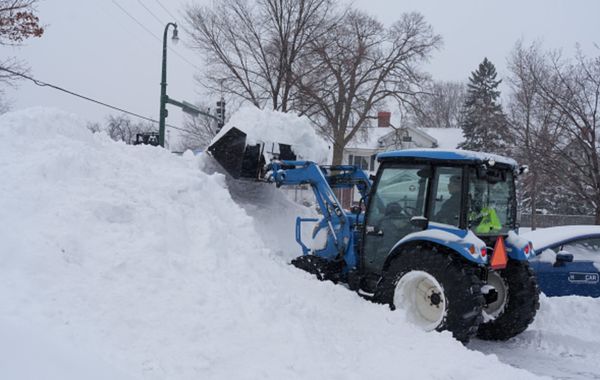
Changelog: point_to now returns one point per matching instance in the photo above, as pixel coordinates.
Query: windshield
(490, 202)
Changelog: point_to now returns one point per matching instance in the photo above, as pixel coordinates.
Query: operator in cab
(450, 210)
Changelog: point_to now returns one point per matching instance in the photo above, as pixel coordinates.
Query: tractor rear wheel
(437, 290)
(521, 300)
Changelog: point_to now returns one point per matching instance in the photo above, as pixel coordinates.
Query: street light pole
(163, 85)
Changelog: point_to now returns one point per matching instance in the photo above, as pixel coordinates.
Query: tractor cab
(451, 191)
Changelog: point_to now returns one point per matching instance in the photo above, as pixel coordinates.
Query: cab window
(399, 195)
(490, 208)
(446, 199)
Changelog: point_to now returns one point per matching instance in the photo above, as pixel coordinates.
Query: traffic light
(220, 114)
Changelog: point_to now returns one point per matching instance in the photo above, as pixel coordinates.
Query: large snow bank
(139, 254)
(30, 352)
(278, 127)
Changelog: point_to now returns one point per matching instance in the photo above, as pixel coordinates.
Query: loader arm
(322, 180)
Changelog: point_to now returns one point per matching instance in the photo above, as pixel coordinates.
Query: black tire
(322, 268)
(458, 278)
(522, 303)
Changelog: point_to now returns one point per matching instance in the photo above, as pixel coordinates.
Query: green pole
(163, 89)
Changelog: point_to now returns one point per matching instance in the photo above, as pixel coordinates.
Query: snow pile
(270, 126)
(30, 352)
(138, 254)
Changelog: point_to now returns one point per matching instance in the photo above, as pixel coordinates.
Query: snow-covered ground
(122, 262)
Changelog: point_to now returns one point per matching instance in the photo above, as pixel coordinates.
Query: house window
(362, 162)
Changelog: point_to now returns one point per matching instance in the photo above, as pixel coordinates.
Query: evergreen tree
(484, 124)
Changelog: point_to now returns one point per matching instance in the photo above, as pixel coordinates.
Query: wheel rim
(494, 309)
(422, 297)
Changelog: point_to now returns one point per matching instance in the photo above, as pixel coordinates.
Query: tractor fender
(518, 247)
(461, 242)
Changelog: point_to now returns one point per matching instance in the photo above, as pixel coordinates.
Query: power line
(136, 20)
(45, 84)
(153, 35)
(151, 13)
(166, 10)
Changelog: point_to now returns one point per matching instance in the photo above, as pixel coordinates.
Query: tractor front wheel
(437, 290)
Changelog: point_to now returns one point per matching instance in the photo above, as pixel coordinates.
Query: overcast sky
(93, 47)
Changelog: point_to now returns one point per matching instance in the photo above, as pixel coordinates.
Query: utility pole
(163, 84)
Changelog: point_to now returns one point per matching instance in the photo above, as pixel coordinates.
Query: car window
(582, 249)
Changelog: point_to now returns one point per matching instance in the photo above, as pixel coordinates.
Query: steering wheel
(393, 209)
(411, 211)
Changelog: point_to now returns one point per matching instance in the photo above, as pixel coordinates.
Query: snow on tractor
(434, 234)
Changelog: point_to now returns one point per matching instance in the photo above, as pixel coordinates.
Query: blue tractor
(434, 233)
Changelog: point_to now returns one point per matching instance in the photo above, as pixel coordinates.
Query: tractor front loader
(435, 234)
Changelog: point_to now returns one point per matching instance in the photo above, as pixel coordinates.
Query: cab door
(399, 194)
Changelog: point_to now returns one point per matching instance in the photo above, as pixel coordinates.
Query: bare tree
(439, 106)
(122, 128)
(537, 129)
(357, 67)
(559, 102)
(18, 22)
(94, 127)
(573, 90)
(197, 132)
(253, 48)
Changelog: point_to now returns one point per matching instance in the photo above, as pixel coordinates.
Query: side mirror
(563, 257)
(420, 222)
(523, 169)
(355, 209)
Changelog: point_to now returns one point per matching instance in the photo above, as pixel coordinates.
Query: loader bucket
(241, 160)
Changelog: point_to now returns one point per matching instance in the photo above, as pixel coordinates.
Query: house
(363, 150)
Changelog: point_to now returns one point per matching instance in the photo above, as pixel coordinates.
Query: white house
(363, 150)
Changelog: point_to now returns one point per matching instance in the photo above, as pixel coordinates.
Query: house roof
(375, 135)
(447, 138)
(370, 140)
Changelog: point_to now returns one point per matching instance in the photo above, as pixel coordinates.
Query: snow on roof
(446, 154)
(447, 138)
(370, 139)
